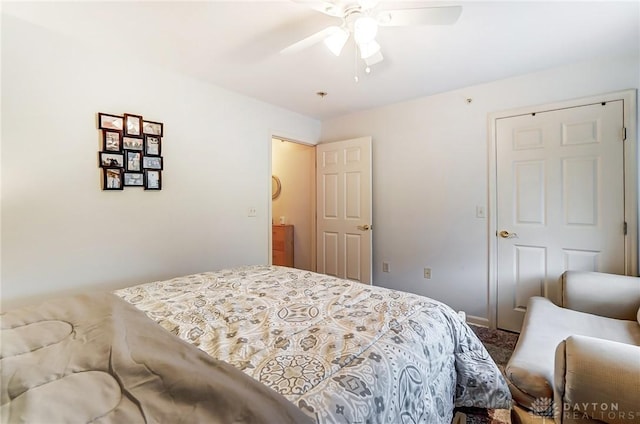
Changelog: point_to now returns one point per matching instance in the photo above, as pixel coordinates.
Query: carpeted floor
(500, 345)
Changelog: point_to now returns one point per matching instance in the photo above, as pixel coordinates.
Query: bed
(343, 352)
(97, 359)
(256, 344)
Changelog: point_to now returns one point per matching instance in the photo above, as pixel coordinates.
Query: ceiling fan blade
(326, 7)
(445, 15)
(309, 41)
(368, 4)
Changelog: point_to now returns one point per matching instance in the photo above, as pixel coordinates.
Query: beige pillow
(638, 317)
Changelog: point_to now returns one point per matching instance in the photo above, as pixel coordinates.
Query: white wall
(62, 234)
(294, 164)
(430, 173)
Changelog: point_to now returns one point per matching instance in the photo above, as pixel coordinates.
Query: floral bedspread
(341, 351)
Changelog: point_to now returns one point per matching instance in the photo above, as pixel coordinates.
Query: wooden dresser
(282, 245)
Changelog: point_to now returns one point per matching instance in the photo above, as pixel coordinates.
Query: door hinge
(624, 228)
(624, 133)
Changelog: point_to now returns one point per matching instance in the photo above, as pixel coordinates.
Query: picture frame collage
(131, 154)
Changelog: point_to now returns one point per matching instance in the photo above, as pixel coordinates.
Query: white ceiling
(236, 44)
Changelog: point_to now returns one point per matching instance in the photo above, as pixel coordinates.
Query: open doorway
(293, 204)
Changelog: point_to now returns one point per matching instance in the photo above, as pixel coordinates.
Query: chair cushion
(530, 369)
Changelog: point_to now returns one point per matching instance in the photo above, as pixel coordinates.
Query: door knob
(507, 234)
(364, 227)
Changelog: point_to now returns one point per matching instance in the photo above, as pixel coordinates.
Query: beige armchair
(580, 362)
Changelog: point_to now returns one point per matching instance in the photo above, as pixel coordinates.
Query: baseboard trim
(483, 322)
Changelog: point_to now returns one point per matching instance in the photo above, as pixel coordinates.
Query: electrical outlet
(252, 212)
(427, 273)
(385, 266)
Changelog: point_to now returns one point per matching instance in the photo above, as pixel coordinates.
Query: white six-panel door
(344, 245)
(560, 201)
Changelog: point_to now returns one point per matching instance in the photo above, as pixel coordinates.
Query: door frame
(270, 200)
(630, 174)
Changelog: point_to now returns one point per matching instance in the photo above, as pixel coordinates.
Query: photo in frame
(111, 160)
(132, 125)
(112, 140)
(152, 145)
(152, 128)
(107, 121)
(152, 179)
(133, 179)
(133, 161)
(152, 162)
(112, 179)
(132, 143)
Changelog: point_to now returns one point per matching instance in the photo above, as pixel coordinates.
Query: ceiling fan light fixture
(336, 40)
(372, 60)
(368, 49)
(365, 30)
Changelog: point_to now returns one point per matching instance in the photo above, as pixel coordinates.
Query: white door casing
(344, 209)
(563, 188)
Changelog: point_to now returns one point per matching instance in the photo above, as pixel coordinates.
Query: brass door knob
(364, 227)
(507, 234)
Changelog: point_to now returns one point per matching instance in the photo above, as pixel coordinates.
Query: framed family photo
(132, 143)
(133, 179)
(112, 140)
(152, 162)
(112, 179)
(132, 125)
(152, 128)
(151, 145)
(152, 179)
(111, 160)
(133, 161)
(110, 122)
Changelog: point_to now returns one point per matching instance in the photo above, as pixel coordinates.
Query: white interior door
(344, 247)
(560, 201)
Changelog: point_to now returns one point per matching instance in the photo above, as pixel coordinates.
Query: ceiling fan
(362, 18)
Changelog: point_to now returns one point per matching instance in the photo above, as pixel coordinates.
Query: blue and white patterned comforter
(341, 351)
